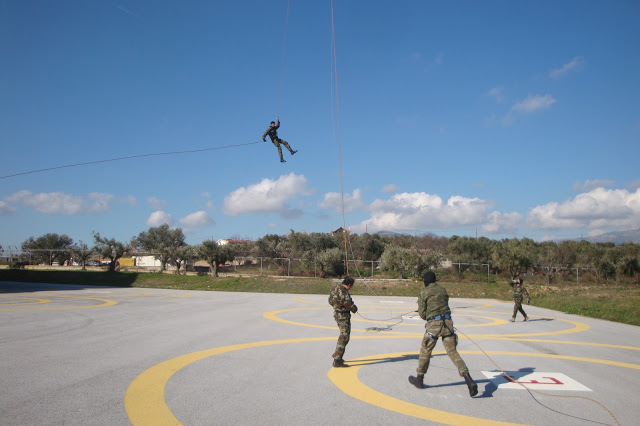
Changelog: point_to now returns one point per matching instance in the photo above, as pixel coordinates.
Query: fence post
(289, 269)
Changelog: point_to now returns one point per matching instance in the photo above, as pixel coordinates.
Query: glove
(354, 309)
(264, 140)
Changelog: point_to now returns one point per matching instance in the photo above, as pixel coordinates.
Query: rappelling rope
(284, 50)
(156, 154)
(533, 390)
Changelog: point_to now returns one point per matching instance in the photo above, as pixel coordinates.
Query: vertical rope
(284, 50)
(335, 65)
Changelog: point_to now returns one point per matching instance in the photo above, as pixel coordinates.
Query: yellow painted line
(37, 301)
(346, 379)
(578, 326)
(494, 321)
(145, 404)
(273, 315)
(106, 302)
(566, 342)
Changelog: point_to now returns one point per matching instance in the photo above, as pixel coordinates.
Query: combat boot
(282, 160)
(473, 387)
(294, 151)
(513, 319)
(339, 363)
(526, 318)
(417, 381)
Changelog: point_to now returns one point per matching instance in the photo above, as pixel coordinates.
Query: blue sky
(509, 119)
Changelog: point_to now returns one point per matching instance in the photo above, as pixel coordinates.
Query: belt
(440, 317)
(342, 312)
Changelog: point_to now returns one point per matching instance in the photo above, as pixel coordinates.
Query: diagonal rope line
(156, 154)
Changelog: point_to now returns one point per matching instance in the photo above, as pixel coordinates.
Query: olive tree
(110, 248)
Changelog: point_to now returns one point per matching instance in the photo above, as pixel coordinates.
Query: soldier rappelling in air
(273, 134)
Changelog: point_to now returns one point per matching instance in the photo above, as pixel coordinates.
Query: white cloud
(197, 219)
(502, 223)
(588, 185)
(419, 211)
(61, 203)
(597, 209)
(390, 188)
(497, 93)
(533, 103)
(156, 203)
(267, 196)
(6, 208)
(158, 218)
(332, 201)
(574, 65)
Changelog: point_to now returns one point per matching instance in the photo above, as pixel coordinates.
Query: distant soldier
(273, 134)
(343, 306)
(518, 295)
(433, 306)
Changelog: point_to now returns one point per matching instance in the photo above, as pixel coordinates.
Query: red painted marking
(554, 381)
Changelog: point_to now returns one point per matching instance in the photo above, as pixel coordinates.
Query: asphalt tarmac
(72, 355)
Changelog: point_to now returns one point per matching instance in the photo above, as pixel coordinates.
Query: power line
(156, 154)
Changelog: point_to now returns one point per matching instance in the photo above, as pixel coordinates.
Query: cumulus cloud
(61, 203)
(588, 185)
(575, 64)
(156, 203)
(502, 223)
(533, 103)
(332, 201)
(417, 211)
(159, 217)
(599, 208)
(197, 219)
(6, 208)
(390, 188)
(267, 196)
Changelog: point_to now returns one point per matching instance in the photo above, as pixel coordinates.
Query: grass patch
(613, 303)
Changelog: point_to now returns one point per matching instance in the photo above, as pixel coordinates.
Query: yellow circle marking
(346, 379)
(36, 301)
(106, 302)
(145, 404)
(578, 326)
(494, 321)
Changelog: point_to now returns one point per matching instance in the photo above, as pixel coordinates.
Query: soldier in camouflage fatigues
(433, 306)
(343, 306)
(273, 134)
(518, 295)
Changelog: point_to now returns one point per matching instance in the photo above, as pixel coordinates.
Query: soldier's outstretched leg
(288, 147)
(280, 153)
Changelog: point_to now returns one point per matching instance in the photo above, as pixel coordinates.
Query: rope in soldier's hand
(511, 379)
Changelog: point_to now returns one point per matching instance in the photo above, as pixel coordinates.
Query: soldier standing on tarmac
(433, 306)
(518, 295)
(343, 306)
(273, 134)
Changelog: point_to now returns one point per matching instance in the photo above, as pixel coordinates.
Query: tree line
(405, 256)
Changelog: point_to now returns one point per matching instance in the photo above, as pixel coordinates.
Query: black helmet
(429, 277)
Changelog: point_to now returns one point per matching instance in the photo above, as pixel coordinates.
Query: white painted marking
(537, 380)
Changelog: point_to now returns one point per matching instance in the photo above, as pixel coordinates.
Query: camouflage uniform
(518, 295)
(273, 134)
(343, 305)
(434, 302)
